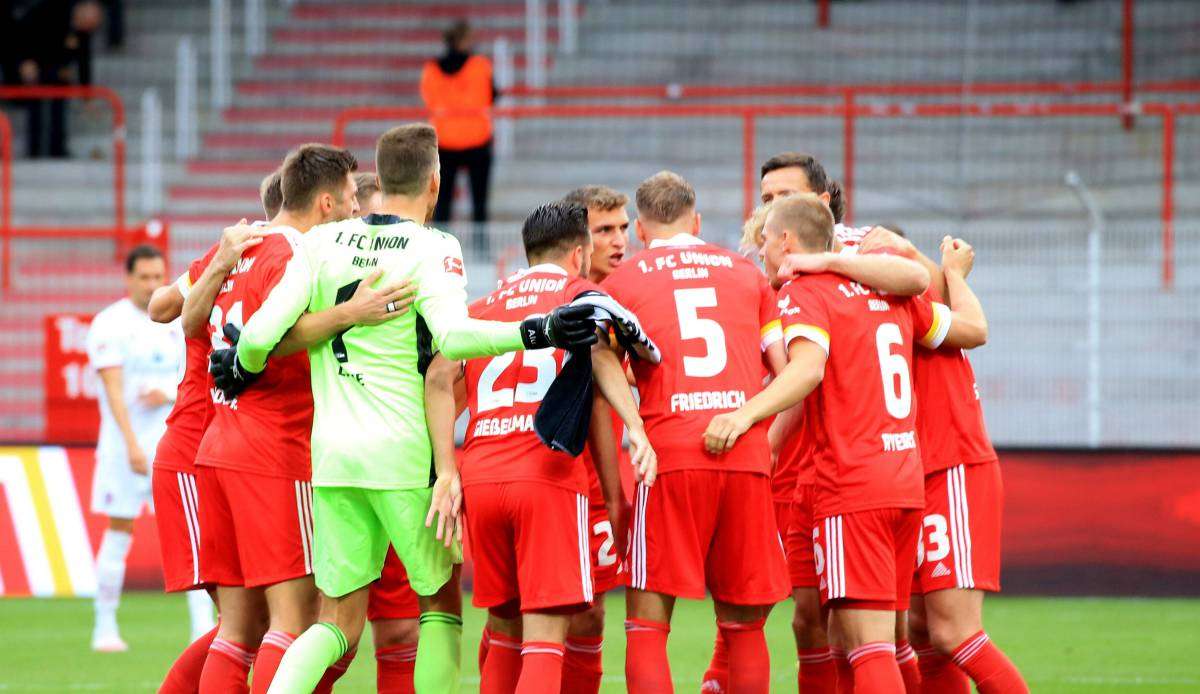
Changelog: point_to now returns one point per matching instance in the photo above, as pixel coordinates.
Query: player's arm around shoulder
(285, 303)
(166, 303)
(968, 326)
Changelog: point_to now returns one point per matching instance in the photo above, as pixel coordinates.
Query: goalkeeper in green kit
(374, 480)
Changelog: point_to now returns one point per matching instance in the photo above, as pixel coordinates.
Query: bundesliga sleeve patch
(453, 265)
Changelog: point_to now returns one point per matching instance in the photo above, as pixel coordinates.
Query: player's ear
(825, 198)
(640, 231)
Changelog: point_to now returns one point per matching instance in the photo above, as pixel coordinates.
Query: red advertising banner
(72, 413)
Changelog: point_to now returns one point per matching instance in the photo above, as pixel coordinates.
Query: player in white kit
(138, 362)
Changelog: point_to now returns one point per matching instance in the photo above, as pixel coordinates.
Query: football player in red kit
(869, 488)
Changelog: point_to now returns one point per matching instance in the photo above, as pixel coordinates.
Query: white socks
(110, 577)
(200, 609)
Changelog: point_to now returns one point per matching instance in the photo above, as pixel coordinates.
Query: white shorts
(117, 492)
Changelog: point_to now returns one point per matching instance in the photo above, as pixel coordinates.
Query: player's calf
(582, 663)
(741, 628)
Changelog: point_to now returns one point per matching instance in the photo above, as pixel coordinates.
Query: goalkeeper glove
(565, 327)
(228, 375)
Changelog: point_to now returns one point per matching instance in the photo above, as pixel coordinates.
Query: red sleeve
(770, 326)
(804, 311)
(931, 320)
(197, 267)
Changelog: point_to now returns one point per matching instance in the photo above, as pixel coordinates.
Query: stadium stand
(996, 181)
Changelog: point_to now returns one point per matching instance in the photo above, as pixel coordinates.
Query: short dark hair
(405, 158)
(665, 197)
(837, 202)
(818, 180)
(554, 228)
(454, 34)
(271, 193)
(142, 252)
(312, 169)
(596, 197)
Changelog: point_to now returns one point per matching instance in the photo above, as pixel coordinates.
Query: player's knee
(808, 629)
(389, 633)
(947, 634)
(589, 622)
(918, 630)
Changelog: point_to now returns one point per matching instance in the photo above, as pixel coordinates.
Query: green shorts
(352, 528)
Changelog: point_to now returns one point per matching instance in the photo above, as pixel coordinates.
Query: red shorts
(868, 556)
(800, 540)
(697, 529)
(783, 518)
(391, 597)
(175, 511)
(255, 530)
(960, 538)
(529, 541)
(606, 565)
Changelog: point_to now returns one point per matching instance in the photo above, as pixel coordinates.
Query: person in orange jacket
(458, 90)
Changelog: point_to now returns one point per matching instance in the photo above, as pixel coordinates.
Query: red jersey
(266, 429)
(504, 392)
(950, 419)
(712, 313)
(193, 407)
(864, 405)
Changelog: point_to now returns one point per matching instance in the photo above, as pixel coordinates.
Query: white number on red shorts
(545, 367)
(692, 326)
(934, 533)
(818, 551)
(604, 555)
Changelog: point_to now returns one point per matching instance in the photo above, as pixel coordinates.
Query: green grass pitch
(1061, 645)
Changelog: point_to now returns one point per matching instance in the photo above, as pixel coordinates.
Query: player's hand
(446, 506)
(879, 238)
(370, 306)
(643, 457)
(796, 264)
(724, 430)
(153, 397)
(957, 256)
(235, 240)
(228, 375)
(138, 461)
(565, 327)
(618, 517)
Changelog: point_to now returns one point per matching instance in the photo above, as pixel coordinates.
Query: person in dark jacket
(458, 90)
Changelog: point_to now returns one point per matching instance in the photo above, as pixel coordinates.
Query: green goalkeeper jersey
(368, 382)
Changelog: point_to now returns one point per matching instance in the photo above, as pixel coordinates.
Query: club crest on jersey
(453, 265)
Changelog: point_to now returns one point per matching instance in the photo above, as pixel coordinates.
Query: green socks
(309, 656)
(439, 654)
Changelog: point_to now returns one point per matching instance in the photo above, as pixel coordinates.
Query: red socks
(939, 674)
(271, 651)
(750, 662)
(875, 669)
(582, 665)
(987, 665)
(845, 673)
(541, 667)
(394, 669)
(906, 659)
(818, 672)
(334, 672)
(502, 668)
(716, 678)
(647, 670)
(226, 668)
(184, 675)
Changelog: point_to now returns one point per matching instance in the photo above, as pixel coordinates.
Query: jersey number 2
(545, 367)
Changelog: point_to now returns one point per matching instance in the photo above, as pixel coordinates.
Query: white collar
(680, 239)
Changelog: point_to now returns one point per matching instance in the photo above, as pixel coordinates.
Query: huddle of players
(703, 516)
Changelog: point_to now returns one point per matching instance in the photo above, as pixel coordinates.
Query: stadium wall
(1096, 523)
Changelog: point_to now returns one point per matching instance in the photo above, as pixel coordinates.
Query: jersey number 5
(693, 327)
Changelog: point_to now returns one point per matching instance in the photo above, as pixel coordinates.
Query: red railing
(8, 231)
(849, 113)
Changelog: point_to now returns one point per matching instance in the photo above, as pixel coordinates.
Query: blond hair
(806, 217)
(596, 197)
(752, 229)
(664, 197)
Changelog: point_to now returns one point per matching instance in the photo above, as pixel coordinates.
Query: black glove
(228, 375)
(566, 327)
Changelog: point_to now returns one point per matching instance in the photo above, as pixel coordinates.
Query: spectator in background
(458, 90)
(138, 362)
(49, 43)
